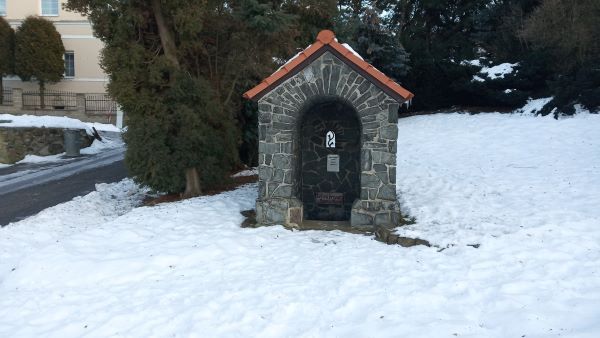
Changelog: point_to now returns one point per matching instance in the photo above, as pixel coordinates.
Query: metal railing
(100, 104)
(52, 99)
(7, 97)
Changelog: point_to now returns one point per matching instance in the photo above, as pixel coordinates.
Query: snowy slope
(495, 174)
(525, 188)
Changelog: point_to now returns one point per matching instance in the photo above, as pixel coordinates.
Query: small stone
(282, 161)
(393, 113)
(369, 180)
(264, 117)
(263, 107)
(406, 242)
(386, 192)
(283, 191)
(389, 132)
(384, 157)
(382, 233)
(392, 239)
(366, 160)
(358, 219)
(380, 168)
(383, 219)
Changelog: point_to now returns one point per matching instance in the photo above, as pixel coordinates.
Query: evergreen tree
(568, 30)
(438, 35)
(295, 26)
(361, 26)
(39, 53)
(303, 20)
(554, 42)
(178, 68)
(310, 17)
(498, 25)
(568, 33)
(7, 50)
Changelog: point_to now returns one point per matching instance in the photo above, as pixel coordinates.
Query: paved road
(28, 190)
(19, 204)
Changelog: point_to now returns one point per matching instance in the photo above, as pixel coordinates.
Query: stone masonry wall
(15, 143)
(280, 116)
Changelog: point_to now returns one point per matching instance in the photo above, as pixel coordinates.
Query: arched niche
(329, 167)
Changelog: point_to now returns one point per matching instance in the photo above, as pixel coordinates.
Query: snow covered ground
(526, 189)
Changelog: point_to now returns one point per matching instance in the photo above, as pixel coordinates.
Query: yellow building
(82, 70)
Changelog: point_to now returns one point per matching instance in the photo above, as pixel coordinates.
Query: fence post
(17, 94)
(80, 103)
(119, 117)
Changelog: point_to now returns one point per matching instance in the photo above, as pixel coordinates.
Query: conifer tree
(568, 32)
(363, 28)
(7, 50)
(178, 68)
(39, 53)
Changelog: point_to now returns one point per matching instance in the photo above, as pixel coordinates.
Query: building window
(50, 7)
(69, 64)
(2, 7)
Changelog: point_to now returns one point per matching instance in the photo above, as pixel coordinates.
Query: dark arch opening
(328, 194)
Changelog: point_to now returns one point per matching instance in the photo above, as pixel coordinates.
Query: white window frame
(42, 8)
(3, 8)
(65, 59)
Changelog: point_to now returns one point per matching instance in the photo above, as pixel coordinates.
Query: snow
(52, 122)
(96, 148)
(248, 172)
(348, 47)
(507, 174)
(104, 127)
(533, 106)
(476, 62)
(16, 121)
(42, 159)
(493, 72)
(580, 110)
(291, 59)
(525, 188)
(107, 143)
(499, 71)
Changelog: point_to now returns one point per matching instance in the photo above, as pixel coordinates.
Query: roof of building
(326, 41)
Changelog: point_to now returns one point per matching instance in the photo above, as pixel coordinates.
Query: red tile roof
(326, 38)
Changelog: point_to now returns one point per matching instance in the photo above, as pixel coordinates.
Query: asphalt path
(28, 191)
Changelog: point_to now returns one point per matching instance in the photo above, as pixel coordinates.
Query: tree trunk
(42, 98)
(167, 40)
(1, 90)
(192, 183)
